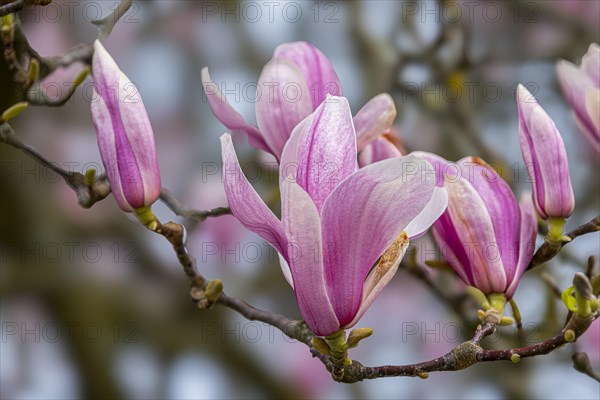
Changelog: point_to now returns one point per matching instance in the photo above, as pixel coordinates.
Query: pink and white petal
(474, 226)
(283, 101)
(528, 233)
(592, 103)
(574, 83)
(441, 167)
(381, 275)
(228, 116)
(374, 119)
(303, 230)
(246, 205)
(288, 165)
(379, 149)
(101, 118)
(326, 151)
(590, 63)
(141, 138)
(285, 269)
(432, 211)
(452, 249)
(316, 68)
(361, 219)
(500, 203)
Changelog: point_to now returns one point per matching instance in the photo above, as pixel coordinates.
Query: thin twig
(549, 250)
(187, 212)
(88, 193)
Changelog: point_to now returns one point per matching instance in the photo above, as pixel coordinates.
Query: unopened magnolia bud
(515, 358)
(478, 203)
(356, 335)
(124, 134)
(544, 153)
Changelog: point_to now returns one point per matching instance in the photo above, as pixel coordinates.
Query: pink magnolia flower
(546, 159)
(124, 133)
(335, 226)
(290, 87)
(486, 237)
(581, 87)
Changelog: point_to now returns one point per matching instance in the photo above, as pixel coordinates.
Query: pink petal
(375, 118)
(322, 150)
(528, 233)
(361, 219)
(590, 63)
(486, 217)
(282, 102)
(592, 104)
(316, 68)
(228, 116)
(381, 275)
(246, 205)
(303, 230)
(444, 170)
(574, 83)
(432, 211)
(379, 149)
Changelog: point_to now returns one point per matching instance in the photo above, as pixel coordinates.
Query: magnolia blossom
(290, 87)
(486, 237)
(336, 223)
(124, 135)
(546, 159)
(581, 86)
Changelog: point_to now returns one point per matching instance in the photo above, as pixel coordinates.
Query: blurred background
(94, 306)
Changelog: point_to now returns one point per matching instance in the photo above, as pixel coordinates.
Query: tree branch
(88, 191)
(17, 5)
(549, 250)
(187, 212)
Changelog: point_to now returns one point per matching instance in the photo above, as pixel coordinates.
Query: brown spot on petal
(386, 262)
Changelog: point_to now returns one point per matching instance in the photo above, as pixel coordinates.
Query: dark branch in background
(88, 191)
(17, 5)
(549, 250)
(187, 212)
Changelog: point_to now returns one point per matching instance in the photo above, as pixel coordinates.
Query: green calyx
(492, 307)
(147, 218)
(336, 346)
(555, 231)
